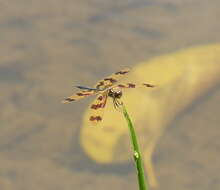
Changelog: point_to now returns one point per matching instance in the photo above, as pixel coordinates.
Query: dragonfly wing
(79, 95)
(112, 79)
(97, 108)
(132, 85)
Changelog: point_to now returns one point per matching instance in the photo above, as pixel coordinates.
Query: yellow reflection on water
(181, 77)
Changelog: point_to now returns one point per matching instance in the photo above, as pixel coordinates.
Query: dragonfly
(105, 88)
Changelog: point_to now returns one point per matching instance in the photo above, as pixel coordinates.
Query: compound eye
(119, 94)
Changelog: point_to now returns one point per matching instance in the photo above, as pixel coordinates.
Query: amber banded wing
(79, 95)
(132, 85)
(112, 79)
(97, 109)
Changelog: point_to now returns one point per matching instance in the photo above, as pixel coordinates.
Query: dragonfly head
(115, 93)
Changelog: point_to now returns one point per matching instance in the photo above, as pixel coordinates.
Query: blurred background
(48, 46)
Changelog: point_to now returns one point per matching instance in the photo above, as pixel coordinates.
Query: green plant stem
(137, 154)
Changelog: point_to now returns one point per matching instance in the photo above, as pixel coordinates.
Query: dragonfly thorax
(115, 93)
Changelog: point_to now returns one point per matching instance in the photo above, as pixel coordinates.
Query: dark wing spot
(110, 79)
(148, 85)
(69, 99)
(100, 98)
(130, 85)
(79, 94)
(121, 85)
(121, 72)
(97, 118)
(97, 106)
(101, 83)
